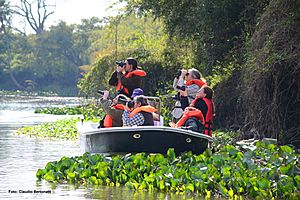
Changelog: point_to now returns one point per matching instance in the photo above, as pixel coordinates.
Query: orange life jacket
(188, 114)
(148, 108)
(136, 72)
(209, 115)
(108, 119)
(198, 82)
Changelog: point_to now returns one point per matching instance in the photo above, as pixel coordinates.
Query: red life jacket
(198, 82)
(108, 119)
(188, 114)
(136, 72)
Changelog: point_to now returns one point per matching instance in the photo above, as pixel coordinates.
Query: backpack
(194, 124)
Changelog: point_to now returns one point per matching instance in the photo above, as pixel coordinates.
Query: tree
(6, 40)
(35, 13)
(5, 15)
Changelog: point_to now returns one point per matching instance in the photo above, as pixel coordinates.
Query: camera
(176, 97)
(120, 63)
(129, 103)
(178, 73)
(100, 92)
(180, 87)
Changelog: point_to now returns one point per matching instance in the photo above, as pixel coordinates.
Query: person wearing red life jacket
(140, 115)
(127, 78)
(204, 103)
(190, 80)
(113, 110)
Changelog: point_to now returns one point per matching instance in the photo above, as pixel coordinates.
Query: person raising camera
(140, 115)
(186, 80)
(127, 77)
(113, 110)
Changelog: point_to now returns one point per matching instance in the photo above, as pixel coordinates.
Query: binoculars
(120, 63)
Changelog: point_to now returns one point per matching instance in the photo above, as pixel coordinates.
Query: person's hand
(127, 108)
(105, 94)
(187, 109)
(119, 68)
(183, 73)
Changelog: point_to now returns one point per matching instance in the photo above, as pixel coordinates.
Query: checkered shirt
(137, 120)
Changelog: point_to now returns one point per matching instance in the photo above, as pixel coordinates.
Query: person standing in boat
(140, 115)
(201, 108)
(127, 77)
(113, 110)
(190, 80)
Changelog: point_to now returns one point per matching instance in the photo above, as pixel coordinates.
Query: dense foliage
(272, 74)
(49, 61)
(265, 172)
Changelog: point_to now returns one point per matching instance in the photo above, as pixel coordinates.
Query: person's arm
(136, 120)
(106, 104)
(108, 109)
(113, 79)
(175, 82)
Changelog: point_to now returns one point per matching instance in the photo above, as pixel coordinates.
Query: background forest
(248, 50)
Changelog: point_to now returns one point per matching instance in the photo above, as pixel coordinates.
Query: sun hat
(137, 92)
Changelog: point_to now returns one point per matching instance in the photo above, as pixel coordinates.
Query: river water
(21, 157)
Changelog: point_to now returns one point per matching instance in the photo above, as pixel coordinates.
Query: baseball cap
(137, 92)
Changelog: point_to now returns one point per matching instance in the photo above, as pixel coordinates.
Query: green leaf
(171, 154)
(50, 176)
(230, 193)
(285, 169)
(40, 173)
(286, 149)
(93, 180)
(190, 187)
(264, 184)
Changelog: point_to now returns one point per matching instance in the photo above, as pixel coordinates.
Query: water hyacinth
(267, 172)
(60, 111)
(61, 129)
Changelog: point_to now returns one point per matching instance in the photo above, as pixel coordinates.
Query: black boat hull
(149, 139)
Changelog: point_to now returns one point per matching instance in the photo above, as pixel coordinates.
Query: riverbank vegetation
(262, 171)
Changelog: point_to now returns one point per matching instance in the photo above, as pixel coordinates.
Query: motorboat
(148, 139)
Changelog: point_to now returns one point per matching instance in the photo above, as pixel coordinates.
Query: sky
(72, 11)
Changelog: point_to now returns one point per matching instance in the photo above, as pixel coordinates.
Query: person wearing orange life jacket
(191, 80)
(140, 115)
(127, 78)
(204, 103)
(113, 110)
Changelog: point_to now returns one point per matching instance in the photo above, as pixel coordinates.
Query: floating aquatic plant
(61, 129)
(266, 172)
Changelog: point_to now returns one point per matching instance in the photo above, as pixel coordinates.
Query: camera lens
(178, 73)
(100, 92)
